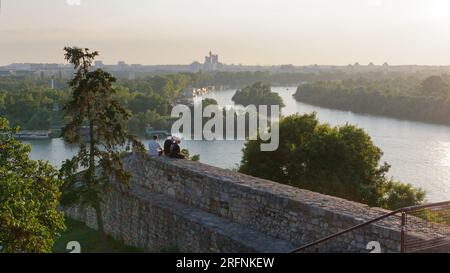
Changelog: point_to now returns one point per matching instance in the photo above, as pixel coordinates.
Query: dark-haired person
(175, 150)
(167, 144)
(154, 149)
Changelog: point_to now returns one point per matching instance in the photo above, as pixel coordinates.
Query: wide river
(419, 153)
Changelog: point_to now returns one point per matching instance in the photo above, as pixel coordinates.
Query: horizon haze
(251, 32)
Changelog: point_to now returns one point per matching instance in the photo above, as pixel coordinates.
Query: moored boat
(32, 135)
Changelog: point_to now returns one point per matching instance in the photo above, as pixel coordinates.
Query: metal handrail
(401, 210)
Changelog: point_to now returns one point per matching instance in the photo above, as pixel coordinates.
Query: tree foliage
(94, 107)
(29, 197)
(435, 86)
(257, 94)
(339, 161)
(410, 99)
(32, 108)
(30, 103)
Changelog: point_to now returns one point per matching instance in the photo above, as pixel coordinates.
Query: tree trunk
(100, 224)
(92, 168)
(106, 248)
(92, 145)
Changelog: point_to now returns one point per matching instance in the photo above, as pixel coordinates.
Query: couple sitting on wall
(171, 148)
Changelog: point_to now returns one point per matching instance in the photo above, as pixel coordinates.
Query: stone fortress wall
(185, 206)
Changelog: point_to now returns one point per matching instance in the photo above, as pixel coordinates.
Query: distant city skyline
(250, 32)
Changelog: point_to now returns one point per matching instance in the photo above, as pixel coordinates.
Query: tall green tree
(94, 109)
(29, 197)
(339, 161)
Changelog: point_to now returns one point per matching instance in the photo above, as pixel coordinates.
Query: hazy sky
(262, 32)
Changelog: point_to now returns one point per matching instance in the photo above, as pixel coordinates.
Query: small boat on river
(32, 135)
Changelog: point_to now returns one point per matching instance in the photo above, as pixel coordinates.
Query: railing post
(403, 233)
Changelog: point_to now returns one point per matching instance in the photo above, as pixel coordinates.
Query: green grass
(89, 240)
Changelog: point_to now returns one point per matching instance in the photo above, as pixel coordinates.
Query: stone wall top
(277, 191)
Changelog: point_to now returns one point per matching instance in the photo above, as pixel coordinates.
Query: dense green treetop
(340, 161)
(257, 94)
(29, 197)
(436, 86)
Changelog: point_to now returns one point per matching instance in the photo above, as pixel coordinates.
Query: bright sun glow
(438, 9)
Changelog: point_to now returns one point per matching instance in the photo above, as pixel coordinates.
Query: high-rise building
(211, 62)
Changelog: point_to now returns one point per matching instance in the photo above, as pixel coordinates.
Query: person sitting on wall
(167, 144)
(154, 149)
(175, 150)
